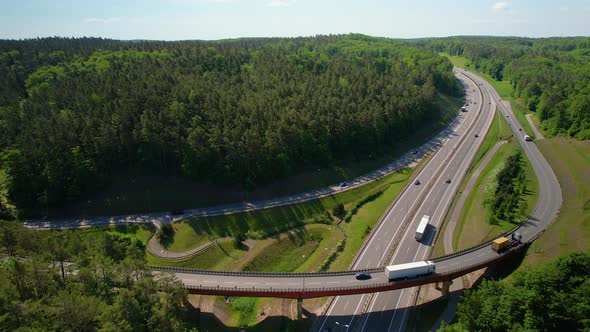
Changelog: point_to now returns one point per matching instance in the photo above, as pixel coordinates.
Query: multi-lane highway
(387, 311)
(431, 198)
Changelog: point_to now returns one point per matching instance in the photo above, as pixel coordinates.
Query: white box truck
(422, 227)
(409, 270)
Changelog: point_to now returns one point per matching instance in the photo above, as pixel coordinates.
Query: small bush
(339, 211)
(165, 234)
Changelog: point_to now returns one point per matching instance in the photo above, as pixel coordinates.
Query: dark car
(519, 129)
(476, 135)
(417, 182)
(414, 152)
(448, 181)
(343, 184)
(362, 276)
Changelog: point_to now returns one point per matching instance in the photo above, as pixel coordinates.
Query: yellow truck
(500, 244)
(503, 243)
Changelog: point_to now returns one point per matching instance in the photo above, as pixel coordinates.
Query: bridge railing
(262, 274)
(344, 290)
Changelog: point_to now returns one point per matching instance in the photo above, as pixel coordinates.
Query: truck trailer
(422, 227)
(502, 243)
(409, 270)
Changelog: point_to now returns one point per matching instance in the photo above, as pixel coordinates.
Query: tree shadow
(208, 321)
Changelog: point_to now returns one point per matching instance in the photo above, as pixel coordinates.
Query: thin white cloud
(281, 3)
(483, 21)
(101, 20)
(564, 8)
(520, 21)
(501, 5)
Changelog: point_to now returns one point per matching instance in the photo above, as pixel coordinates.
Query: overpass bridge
(311, 285)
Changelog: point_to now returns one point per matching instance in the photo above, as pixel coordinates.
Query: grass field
(194, 232)
(570, 159)
(221, 256)
(290, 252)
(473, 217)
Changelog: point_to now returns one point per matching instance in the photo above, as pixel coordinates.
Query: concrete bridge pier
(444, 287)
(299, 308)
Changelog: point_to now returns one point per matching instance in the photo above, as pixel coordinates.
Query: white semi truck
(409, 270)
(422, 227)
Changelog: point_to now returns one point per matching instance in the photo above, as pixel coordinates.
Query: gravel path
(538, 134)
(156, 249)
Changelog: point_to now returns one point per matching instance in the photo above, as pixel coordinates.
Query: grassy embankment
(570, 160)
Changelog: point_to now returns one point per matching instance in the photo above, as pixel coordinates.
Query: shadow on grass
(257, 224)
(209, 322)
(504, 268)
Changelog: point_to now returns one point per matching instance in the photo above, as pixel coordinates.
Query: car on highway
(417, 182)
(414, 152)
(343, 185)
(476, 135)
(519, 129)
(448, 181)
(362, 276)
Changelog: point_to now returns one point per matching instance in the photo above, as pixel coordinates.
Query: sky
(220, 19)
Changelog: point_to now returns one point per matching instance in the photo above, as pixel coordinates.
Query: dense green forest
(73, 112)
(62, 281)
(550, 75)
(553, 297)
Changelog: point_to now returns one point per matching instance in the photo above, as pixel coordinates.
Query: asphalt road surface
(388, 311)
(431, 198)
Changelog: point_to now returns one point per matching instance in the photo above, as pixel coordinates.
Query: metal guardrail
(344, 290)
(262, 274)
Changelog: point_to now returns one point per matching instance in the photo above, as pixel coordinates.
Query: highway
(388, 311)
(451, 162)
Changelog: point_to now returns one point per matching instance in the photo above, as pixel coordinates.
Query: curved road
(390, 308)
(387, 311)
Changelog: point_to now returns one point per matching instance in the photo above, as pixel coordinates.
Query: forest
(63, 281)
(551, 297)
(550, 75)
(74, 112)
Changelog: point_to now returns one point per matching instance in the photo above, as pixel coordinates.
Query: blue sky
(216, 19)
